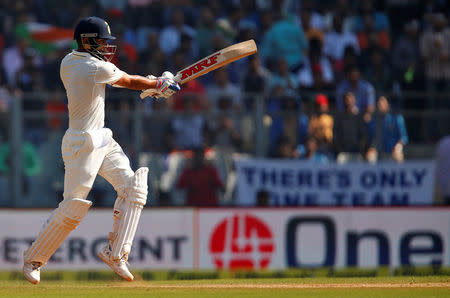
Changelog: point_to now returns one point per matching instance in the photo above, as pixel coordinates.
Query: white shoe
(119, 266)
(32, 272)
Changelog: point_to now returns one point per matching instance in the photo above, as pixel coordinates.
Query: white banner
(277, 239)
(300, 183)
(163, 240)
(247, 238)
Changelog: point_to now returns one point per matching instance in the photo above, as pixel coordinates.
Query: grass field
(411, 286)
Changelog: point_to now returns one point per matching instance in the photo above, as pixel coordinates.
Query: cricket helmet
(88, 32)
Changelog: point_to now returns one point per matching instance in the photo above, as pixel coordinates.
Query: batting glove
(165, 86)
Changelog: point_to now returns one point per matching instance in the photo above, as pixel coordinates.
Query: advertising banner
(295, 238)
(163, 240)
(300, 183)
(251, 238)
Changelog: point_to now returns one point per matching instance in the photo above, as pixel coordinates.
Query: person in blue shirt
(387, 131)
(285, 40)
(288, 118)
(362, 89)
(309, 151)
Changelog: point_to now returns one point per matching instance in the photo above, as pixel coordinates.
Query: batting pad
(130, 208)
(63, 220)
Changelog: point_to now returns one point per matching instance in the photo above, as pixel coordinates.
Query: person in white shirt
(88, 149)
(337, 40)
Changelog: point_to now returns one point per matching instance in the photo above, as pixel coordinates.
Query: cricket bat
(211, 62)
(216, 60)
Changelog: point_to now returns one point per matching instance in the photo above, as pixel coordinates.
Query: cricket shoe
(32, 272)
(119, 266)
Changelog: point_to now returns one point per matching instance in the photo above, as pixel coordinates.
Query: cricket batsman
(88, 149)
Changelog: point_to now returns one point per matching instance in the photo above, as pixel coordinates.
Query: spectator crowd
(331, 75)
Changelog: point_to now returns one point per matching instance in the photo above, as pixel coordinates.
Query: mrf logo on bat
(201, 65)
(241, 241)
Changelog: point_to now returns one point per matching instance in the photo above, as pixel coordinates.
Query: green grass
(397, 286)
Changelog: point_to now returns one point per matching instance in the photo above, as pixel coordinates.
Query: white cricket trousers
(88, 153)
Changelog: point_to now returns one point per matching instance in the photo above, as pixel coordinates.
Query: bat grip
(177, 78)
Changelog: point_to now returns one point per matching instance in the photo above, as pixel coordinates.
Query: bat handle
(177, 78)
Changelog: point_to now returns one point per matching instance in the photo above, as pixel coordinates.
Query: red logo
(242, 241)
(194, 69)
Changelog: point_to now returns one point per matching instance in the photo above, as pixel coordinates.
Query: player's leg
(131, 197)
(82, 163)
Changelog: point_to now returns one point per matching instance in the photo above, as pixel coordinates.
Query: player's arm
(136, 82)
(108, 73)
(164, 86)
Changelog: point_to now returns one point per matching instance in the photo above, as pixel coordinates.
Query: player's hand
(165, 87)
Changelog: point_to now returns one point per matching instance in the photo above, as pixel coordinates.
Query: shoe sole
(107, 262)
(34, 282)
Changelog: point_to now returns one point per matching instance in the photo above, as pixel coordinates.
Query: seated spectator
(380, 19)
(13, 60)
(309, 18)
(265, 23)
(337, 40)
(342, 8)
(31, 163)
(170, 37)
(201, 181)
(435, 51)
(350, 58)
(371, 34)
(309, 151)
(226, 136)
(187, 129)
(387, 132)
(27, 77)
(349, 132)
(283, 77)
(317, 72)
(285, 149)
(377, 71)
(284, 40)
(188, 48)
(405, 55)
(362, 90)
(257, 76)
(321, 124)
(255, 81)
(288, 120)
(205, 31)
(152, 60)
(223, 90)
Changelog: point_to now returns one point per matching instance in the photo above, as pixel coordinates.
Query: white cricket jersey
(85, 78)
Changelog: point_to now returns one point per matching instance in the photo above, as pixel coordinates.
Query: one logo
(242, 241)
(201, 65)
(109, 29)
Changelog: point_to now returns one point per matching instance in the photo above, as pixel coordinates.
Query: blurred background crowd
(333, 81)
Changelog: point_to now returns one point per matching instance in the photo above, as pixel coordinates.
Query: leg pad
(62, 221)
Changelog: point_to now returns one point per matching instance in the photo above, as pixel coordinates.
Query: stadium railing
(425, 124)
